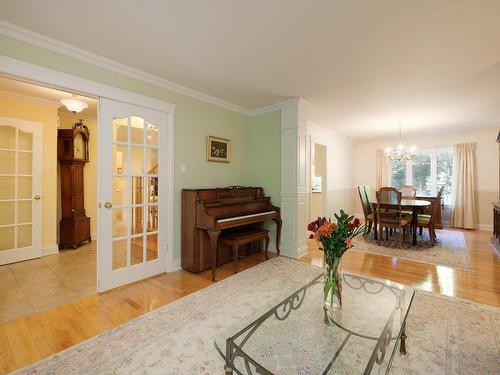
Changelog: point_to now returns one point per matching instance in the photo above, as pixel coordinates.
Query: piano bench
(241, 237)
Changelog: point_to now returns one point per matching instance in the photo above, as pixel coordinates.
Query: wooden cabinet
(73, 154)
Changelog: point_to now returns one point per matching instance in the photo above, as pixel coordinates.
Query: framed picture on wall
(218, 149)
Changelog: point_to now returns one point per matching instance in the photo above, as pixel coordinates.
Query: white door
(133, 163)
(20, 190)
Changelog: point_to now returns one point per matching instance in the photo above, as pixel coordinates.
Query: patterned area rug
(451, 248)
(445, 336)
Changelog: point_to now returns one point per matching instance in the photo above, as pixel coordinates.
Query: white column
(295, 184)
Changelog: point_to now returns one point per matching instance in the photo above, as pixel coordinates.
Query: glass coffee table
(300, 336)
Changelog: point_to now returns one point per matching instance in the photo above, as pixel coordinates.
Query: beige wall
(318, 199)
(47, 115)
(339, 168)
(486, 162)
(90, 172)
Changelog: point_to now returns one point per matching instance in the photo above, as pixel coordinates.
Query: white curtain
(382, 169)
(463, 186)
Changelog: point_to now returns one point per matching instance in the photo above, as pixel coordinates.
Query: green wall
(265, 153)
(255, 141)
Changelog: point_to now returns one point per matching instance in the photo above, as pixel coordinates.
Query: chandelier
(401, 152)
(74, 105)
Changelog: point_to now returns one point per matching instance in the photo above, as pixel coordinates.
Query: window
(444, 172)
(421, 172)
(427, 172)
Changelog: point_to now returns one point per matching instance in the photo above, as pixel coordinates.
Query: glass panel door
(135, 207)
(131, 202)
(20, 190)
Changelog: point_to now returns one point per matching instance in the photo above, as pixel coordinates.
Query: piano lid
(238, 192)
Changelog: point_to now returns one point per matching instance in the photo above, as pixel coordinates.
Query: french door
(133, 188)
(20, 190)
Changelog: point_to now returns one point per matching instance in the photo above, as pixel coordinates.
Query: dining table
(416, 206)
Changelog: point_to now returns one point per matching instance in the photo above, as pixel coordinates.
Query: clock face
(79, 147)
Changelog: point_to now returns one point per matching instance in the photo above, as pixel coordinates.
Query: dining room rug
(450, 250)
(445, 335)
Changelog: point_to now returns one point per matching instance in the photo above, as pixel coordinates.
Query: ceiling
(364, 65)
(44, 95)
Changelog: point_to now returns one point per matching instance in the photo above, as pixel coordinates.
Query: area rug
(445, 336)
(450, 250)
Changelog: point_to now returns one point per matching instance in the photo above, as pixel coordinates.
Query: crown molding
(19, 33)
(40, 75)
(279, 106)
(29, 98)
(42, 41)
(271, 108)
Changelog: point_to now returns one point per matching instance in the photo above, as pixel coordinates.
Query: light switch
(184, 168)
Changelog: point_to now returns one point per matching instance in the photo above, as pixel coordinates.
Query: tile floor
(39, 284)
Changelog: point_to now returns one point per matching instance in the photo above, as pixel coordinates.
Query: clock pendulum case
(73, 154)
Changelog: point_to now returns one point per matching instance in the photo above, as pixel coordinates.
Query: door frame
(324, 198)
(24, 71)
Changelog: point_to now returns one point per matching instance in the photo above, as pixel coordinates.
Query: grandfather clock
(73, 154)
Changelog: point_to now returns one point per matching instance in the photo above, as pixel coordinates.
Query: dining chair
(368, 193)
(367, 209)
(428, 220)
(408, 191)
(393, 219)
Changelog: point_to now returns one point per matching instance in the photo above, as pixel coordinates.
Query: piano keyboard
(245, 216)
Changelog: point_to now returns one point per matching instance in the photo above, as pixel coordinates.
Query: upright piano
(207, 212)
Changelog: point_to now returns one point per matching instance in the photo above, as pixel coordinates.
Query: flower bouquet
(336, 239)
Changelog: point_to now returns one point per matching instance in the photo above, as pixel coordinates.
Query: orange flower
(348, 242)
(325, 230)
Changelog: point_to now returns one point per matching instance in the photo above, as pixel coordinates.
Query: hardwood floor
(29, 339)
(481, 285)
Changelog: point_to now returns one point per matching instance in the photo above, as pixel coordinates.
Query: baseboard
(488, 227)
(50, 249)
(176, 266)
(302, 250)
(93, 236)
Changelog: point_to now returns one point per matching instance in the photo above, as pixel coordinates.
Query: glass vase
(332, 283)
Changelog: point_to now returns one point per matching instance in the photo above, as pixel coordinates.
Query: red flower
(356, 223)
(316, 224)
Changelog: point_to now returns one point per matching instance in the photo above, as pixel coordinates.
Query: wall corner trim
(277, 106)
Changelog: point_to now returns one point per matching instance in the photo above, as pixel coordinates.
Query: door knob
(36, 197)
(108, 205)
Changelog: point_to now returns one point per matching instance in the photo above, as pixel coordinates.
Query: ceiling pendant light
(74, 105)
(400, 152)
